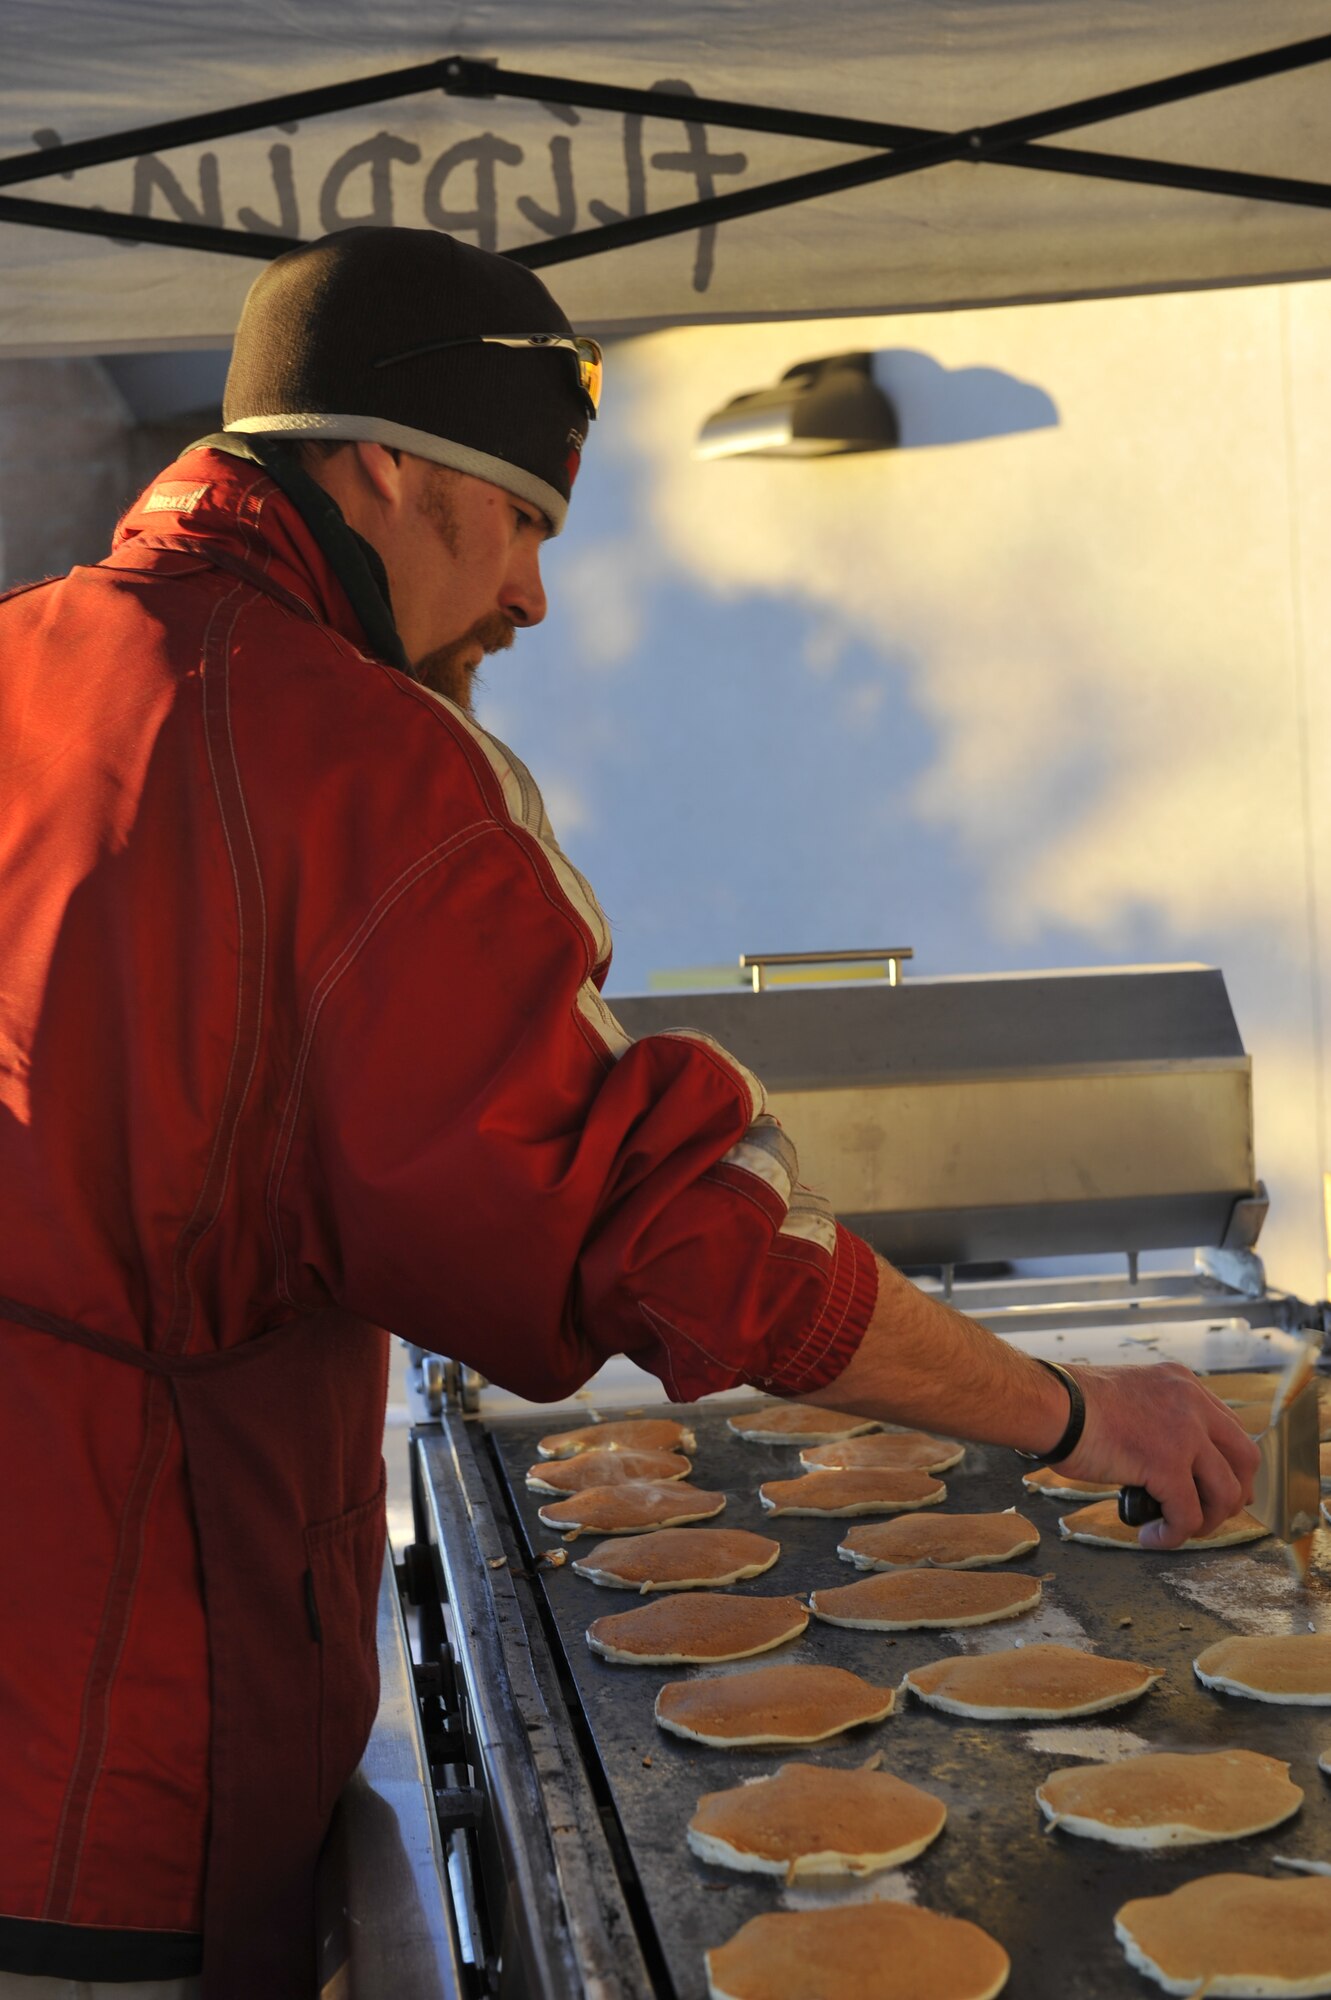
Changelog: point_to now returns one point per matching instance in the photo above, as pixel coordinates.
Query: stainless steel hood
(953, 1121)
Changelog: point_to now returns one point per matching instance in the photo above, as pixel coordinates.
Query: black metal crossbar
(899, 149)
(199, 128)
(122, 228)
(465, 77)
(1006, 143)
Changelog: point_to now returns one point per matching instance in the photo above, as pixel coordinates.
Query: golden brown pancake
(631, 1508)
(679, 1559)
(912, 1598)
(1243, 1385)
(797, 1423)
(1166, 1799)
(695, 1627)
(1058, 1486)
(940, 1541)
(879, 1951)
(1233, 1934)
(770, 1705)
(1100, 1525)
(1031, 1681)
(1293, 1667)
(886, 1451)
(843, 1493)
(632, 1434)
(1251, 1396)
(810, 1820)
(605, 1468)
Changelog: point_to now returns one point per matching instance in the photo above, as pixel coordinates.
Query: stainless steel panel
(562, 1929)
(1029, 1166)
(1054, 1229)
(954, 1121)
(386, 1929)
(1003, 1143)
(798, 1038)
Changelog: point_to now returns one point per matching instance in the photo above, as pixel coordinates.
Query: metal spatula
(1287, 1488)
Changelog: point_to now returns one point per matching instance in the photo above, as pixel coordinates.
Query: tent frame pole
(899, 150)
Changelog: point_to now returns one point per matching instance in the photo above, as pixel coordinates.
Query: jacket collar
(251, 497)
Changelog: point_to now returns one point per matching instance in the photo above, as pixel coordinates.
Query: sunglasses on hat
(585, 351)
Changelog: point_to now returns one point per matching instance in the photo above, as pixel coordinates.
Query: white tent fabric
(505, 172)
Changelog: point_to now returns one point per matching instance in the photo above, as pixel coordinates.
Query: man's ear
(381, 468)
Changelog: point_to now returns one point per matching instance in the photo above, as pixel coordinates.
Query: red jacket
(301, 1035)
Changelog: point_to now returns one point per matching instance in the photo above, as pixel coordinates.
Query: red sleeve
(483, 1162)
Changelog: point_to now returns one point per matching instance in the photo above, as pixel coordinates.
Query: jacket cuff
(841, 1326)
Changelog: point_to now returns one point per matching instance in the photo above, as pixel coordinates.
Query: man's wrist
(1070, 1436)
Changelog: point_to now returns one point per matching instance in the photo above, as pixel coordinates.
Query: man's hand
(1153, 1426)
(1158, 1427)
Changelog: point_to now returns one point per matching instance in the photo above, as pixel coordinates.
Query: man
(301, 1036)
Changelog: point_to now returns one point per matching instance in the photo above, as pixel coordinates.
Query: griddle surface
(1049, 1899)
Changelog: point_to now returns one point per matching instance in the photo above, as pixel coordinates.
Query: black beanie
(317, 319)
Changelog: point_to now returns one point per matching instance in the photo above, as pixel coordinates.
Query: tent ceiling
(516, 172)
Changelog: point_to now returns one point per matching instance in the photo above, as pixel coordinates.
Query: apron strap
(143, 1358)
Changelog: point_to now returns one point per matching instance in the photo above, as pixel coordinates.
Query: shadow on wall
(62, 466)
(172, 400)
(75, 450)
(937, 405)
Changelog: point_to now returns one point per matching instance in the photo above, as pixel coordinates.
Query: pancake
(696, 1627)
(1233, 1934)
(1324, 1461)
(1034, 1681)
(939, 1541)
(679, 1559)
(631, 1508)
(605, 1468)
(797, 1423)
(915, 1598)
(1293, 1667)
(1243, 1385)
(770, 1705)
(1256, 1417)
(886, 1451)
(809, 1820)
(1251, 1396)
(632, 1434)
(1100, 1526)
(1165, 1799)
(1058, 1486)
(879, 1951)
(844, 1493)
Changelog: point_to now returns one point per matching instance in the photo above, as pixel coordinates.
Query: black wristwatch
(1076, 1423)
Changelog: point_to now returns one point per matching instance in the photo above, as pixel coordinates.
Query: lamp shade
(817, 409)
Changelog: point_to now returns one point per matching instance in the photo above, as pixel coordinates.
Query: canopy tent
(947, 152)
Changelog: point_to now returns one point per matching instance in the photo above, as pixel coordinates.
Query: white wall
(1056, 697)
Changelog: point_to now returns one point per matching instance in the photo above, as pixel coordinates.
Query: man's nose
(523, 598)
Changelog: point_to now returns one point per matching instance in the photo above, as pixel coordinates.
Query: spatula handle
(1136, 1506)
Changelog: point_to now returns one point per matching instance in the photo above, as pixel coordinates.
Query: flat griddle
(1049, 1898)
